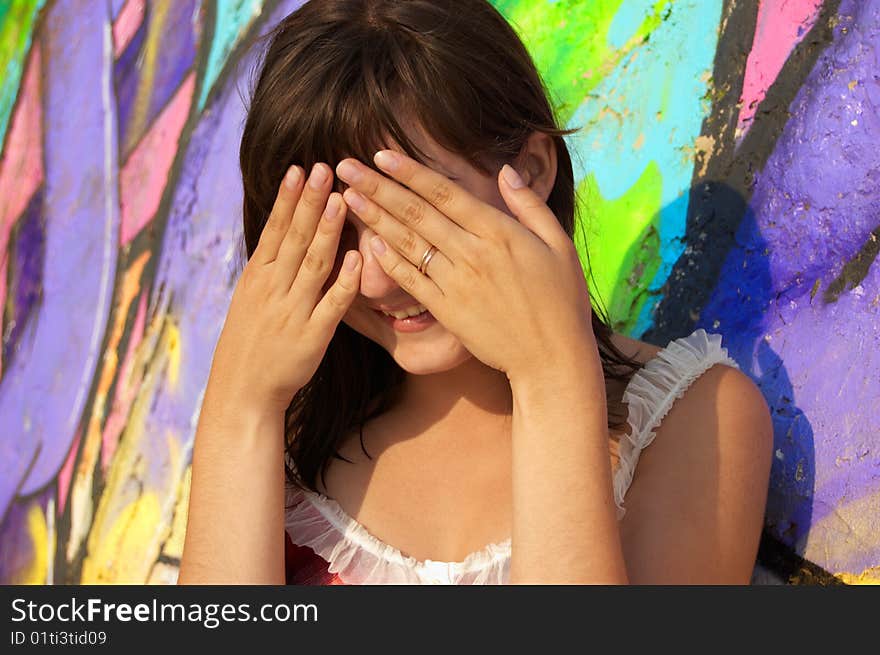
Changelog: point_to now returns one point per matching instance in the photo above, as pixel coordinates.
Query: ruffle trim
(358, 557)
(652, 391)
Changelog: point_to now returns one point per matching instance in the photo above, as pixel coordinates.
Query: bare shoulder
(699, 491)
(721, 414)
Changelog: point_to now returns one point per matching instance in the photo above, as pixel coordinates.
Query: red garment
(303, 567)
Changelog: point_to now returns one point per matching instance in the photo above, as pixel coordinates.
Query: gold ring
(423, 265)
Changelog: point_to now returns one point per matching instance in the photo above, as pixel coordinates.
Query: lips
(409, 324)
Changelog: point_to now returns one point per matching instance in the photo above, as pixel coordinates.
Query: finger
(419, 286)
(528, 207)
(399, 236)
(320, 256)
(279, 218)
(406, 206)
(464, 209)
(332, 307)
(301, 230)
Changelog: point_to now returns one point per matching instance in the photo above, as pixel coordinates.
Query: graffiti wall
(729, 176)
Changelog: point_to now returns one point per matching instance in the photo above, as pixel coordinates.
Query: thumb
(527, 206)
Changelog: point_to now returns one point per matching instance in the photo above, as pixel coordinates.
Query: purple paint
(199, 263)
(26, 275)
(814, 206)
(18, 552)
(174, 57)
(43, 394)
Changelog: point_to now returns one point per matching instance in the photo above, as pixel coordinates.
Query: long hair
(333, 80)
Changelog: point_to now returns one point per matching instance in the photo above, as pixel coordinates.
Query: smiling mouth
(414, 310)
(415, 323)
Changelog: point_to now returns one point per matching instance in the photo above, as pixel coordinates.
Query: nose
(375, 282)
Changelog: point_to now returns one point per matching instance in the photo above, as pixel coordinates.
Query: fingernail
(377, 245)
(387, 160)
(348, 171)
(332, 210)
(355, 200)
(350, 261)
(292, 177)
(512, 177)
(318, 176)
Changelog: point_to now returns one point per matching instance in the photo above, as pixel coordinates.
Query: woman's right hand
(279, 321)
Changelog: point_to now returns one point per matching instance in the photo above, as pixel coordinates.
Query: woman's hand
(512, 291)
(280, 322)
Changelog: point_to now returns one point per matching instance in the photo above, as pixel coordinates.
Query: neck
(469, 391)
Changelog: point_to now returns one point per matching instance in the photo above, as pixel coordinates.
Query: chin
(418, 359)
(433, 351)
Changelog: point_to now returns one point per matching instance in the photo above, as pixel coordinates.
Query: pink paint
(125, 392)
(144, 176)
(127, 23)
(780, 27)
(66, 472)
(21, 168)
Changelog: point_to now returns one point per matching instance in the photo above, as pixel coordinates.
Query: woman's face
(426, 348)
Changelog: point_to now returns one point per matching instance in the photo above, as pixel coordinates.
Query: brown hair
(334, 79)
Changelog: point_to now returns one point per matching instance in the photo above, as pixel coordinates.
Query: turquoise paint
(666, 74)
(627, 21)
(233, 18)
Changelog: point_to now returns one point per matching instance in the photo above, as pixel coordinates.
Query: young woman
(412, 384)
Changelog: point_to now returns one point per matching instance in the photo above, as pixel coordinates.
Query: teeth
(415, 310)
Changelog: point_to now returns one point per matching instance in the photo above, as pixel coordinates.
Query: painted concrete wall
(728, 166)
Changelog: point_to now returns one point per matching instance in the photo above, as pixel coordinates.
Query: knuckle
(408, 281)
(395, 272)
(408, 242)
(326, 228)
(337, 297)
(369, 216)
(313, 200)
(273, 223)
(298, 238)
(253, 281)
(370, 187)
(440, 194)
(313, 262)
(414, 212)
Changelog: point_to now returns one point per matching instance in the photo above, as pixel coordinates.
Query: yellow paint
(867, 577)
(122, 512)
(125, 552)
(174, 545)
(134, 517)
(172, 347)
(857, 520)
(81, 492)
(38, 532)
(704, 147)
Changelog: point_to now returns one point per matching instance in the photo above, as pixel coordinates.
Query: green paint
(623, 244)
(16, 30)
(568, 41)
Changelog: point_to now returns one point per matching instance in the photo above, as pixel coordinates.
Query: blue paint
(653, 98)
(233, 18)
(627, 21)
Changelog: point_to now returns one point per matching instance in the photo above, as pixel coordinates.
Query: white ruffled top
(358, 557)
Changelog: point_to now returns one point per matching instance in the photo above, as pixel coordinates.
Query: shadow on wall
(736, 307)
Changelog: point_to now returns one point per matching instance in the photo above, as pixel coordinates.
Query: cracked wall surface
(727, 172)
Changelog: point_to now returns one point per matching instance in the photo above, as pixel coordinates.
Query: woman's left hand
(513, 292)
